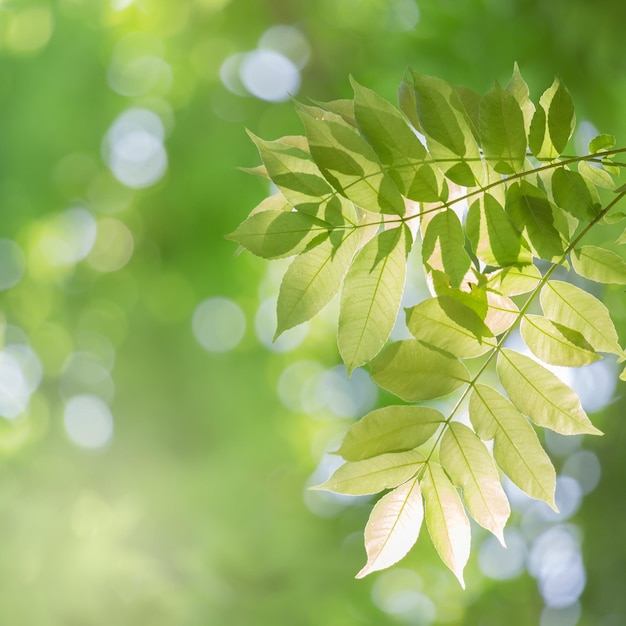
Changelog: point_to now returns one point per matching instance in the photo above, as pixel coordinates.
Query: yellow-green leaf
(513, 281)
(446, 521)
(393, 527)
(599, 264)
(556, 344)
(394, 428)
(415, 371)
(371, 296)
(370, 476)
(516, 447)
(574, 308)
(470, 467)
(538, 393)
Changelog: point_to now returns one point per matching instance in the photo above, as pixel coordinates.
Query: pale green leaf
(446, 521)
(343, 107)
(513, 281)
(538, 393)
(393, 527)
(371, 296)
(443, 247)
(393, 428)
(622, 376)
(397, 146)
(621, 240)
(561, 118)
(537, 135)
(574, 308)
(349, 163)
(274, 233)
(448, 324)
(601, 142)
(518, 88)
(314, 277)
(467, 103)
(614, 218)
(275, 202)
(502, 313)
(407, 101)
(572, 193)
(599, 264)
(596, 175)
(556, 344)
(414, 371)
(533, 214)
(370, 476)
(502, 131)
(516, 447)
(494, 239)
(470, 467)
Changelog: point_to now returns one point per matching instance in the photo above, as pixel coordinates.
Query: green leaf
(596, 175)
(599, 264)
(467, 102)
(494, 239)
(538, 393)
(574, 308)
(393, 527)
(532, 213)
(373, 475)
(572, 193)
(502, 131)
(450, 325)
(502, 313)
(516, 447)
(561, 118)
(518, 88)
(614, 218)
(343, 107)
(414, 371)
(537, 134)
(349, 163)
(621, 240)
(273, 234)
(314, 277)
(393, 428)
(622, 376)
(514, 281)
(275, 202)
(447, 523)
(408, 103)
(443, 247)
(601, 142)
(556, 344)
(371, 296)
(470, 467)
(397, 146)
(447, 130)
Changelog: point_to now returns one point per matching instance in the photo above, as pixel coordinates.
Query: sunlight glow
(88, 421)
(218, 324)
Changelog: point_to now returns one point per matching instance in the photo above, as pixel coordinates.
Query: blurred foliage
(194, 512)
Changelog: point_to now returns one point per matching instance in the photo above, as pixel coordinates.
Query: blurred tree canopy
(154, 446)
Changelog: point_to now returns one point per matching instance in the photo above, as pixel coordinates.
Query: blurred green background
(154, 446)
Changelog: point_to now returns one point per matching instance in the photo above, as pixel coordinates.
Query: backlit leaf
(373, 475)
(596, 175)
(502, 131)
(599, 264)
(349, 163)
(516, 447)
(443, 246)
(393, 527)
(371, 296)
(574, 195)
(273, 234)
(393, 428)
(502, 313)
(414, 371)
(601, 142)
(470, 466)
(494, 239)
(556, 344)
(538, 393)
(561, 118)
(450, 325)
(447, 523)
(513, 281)
(313, 278)
(518, 88)
(574, 308)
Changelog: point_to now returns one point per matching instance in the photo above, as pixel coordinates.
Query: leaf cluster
(365, 184)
